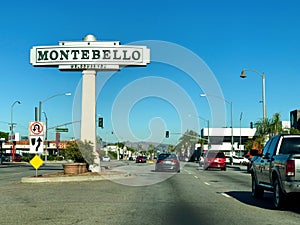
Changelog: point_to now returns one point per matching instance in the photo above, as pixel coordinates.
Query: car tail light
(174, 161)
(159, 161)
(290, 168)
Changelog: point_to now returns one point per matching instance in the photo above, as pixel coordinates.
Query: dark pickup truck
(277, 169)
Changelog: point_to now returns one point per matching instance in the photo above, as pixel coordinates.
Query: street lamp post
(12, 129)
(262, 75)
(53, 96)
(205, 120)
(231, 115)
(11, 116)
(46, 136)
(240, 132)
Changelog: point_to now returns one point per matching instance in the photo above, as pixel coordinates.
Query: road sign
(36, 144)
(61, 129)
(36, 128)
(36, 162)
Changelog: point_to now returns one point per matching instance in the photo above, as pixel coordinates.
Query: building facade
(229, 140)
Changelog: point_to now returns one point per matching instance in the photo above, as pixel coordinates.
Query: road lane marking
(225, 195)
(189, 172)
(196, 177)
(206, 183)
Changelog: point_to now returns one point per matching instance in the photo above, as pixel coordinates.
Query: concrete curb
(76, 178)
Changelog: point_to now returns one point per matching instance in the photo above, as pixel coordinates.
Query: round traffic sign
(36, 128)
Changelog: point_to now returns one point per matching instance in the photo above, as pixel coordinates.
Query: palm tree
(276, 126)
(263, 127)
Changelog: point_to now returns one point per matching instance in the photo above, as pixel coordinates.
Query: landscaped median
(89, 176)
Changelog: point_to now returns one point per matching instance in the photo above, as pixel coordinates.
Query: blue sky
(226, 35)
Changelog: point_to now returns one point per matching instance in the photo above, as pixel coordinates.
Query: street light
(46, 136)
(243, 75)
(11, 118)
(12, 129)
(231, 120)
(241, 116)
(40, 102)
(205, 120)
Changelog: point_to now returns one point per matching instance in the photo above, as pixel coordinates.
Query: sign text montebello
(90, 55)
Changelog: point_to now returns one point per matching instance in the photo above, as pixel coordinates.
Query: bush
(79, 152)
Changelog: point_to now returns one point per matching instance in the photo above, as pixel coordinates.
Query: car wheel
(278, 196)
(257, 192)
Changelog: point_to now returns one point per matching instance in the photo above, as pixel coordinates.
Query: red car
(214, 159)
(141, 159)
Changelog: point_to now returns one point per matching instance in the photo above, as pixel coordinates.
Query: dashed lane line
(226, 195)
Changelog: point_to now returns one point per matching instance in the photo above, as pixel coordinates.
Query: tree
(4, 135)
(263, 127)
(79, 151)
(276, 126)
(187, 140)
(266, 128)
(294, 131)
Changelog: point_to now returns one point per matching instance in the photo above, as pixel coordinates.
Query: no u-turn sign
(36, 137)
(36, 128)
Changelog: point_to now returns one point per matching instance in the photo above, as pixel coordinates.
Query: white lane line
(196, 177)
(188, 172)
(226, 195)
(206, 183)
(16, 173)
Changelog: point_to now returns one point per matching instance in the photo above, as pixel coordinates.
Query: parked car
(132, 158)
(3, 158)
(106, 159)
(201, 160)
(17, 157)
(141, 159)
(214, 159)
(236, 160)
(167, 162)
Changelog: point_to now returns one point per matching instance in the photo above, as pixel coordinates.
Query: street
(192, 196)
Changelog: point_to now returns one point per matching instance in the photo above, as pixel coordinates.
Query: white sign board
(95, 55)
(36, 137)
(36, 144)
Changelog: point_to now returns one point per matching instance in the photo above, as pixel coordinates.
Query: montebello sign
(96, 55)
(89, 56)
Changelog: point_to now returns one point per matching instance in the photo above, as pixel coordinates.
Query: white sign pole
(88, 112)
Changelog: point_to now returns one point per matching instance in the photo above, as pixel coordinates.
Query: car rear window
(216, 155)
(165, 156)
(290, 146)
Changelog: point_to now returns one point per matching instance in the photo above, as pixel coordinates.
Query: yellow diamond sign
(36, 162)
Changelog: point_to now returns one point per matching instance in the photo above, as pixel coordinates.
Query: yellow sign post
(36, 162)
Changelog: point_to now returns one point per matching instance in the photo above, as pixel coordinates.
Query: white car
(236, 160)
(239, 160)
(105, 158)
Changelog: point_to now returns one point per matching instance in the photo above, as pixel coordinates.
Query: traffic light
(167, 134)
(100, 122)
(251, 125)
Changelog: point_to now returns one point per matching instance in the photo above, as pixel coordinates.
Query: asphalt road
(191, 197)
